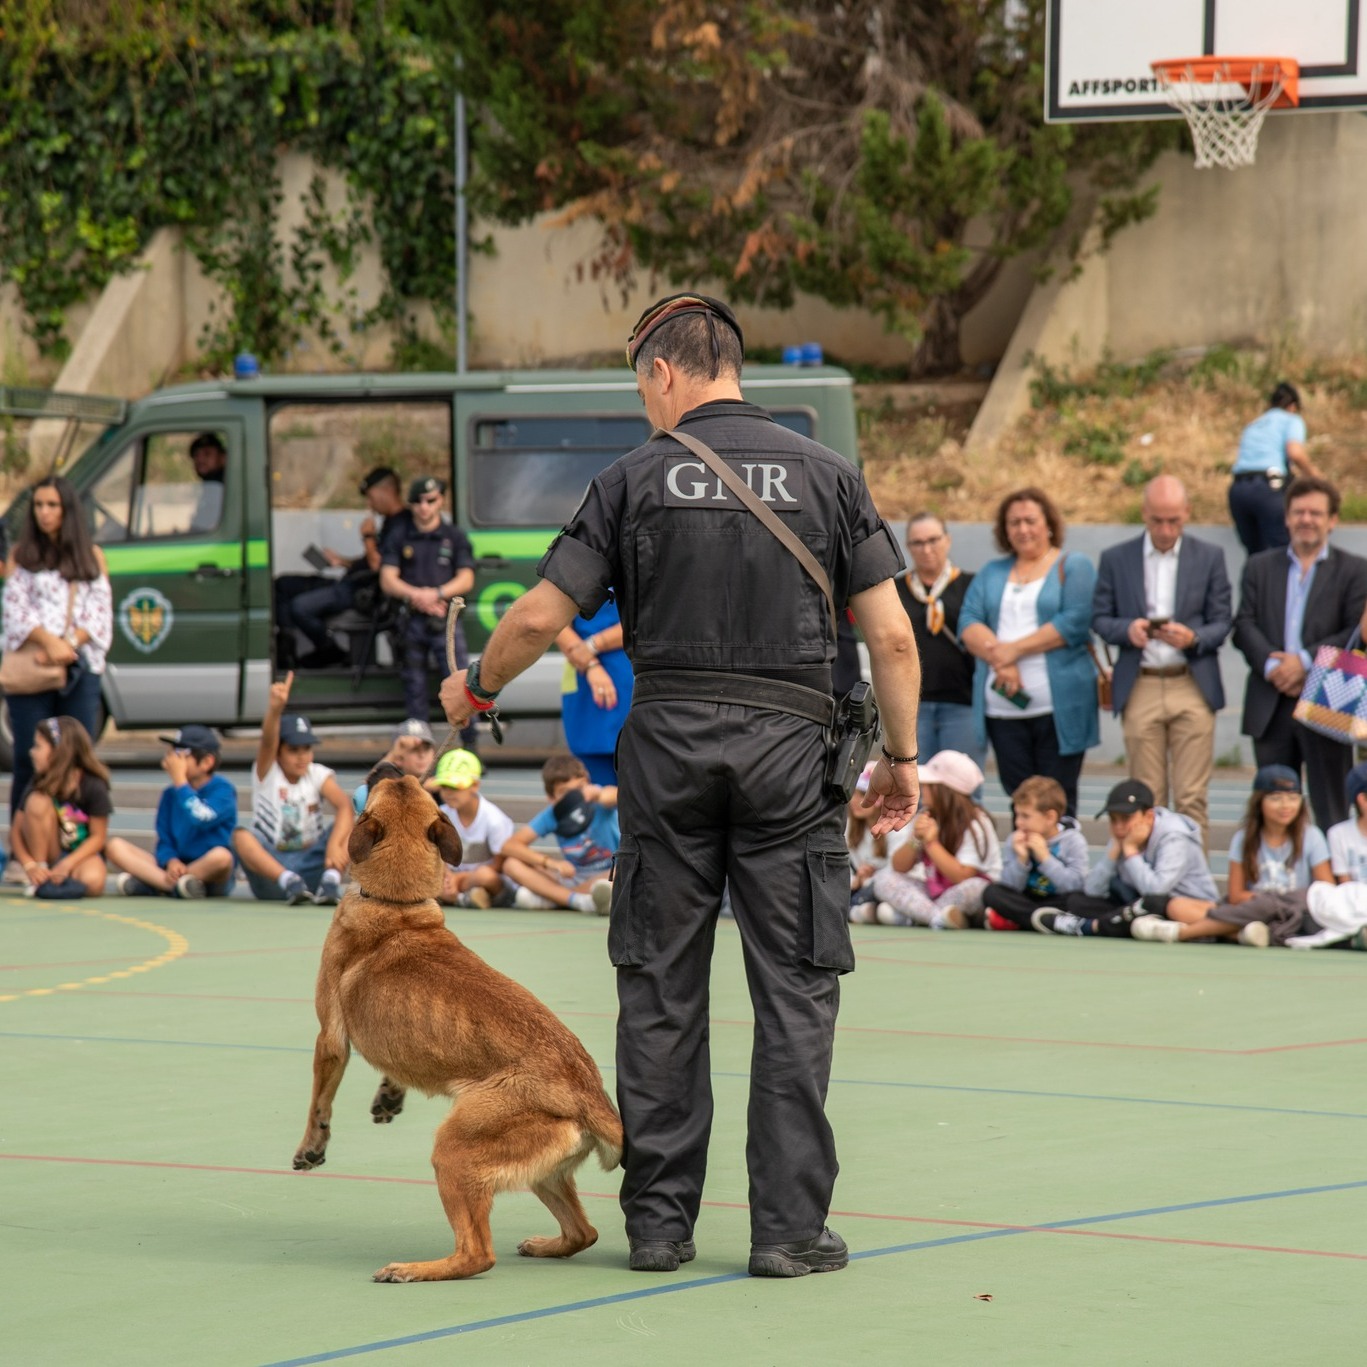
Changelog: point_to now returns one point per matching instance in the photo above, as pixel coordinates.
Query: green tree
(884, 153)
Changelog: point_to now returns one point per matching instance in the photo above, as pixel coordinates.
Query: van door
(167, 509)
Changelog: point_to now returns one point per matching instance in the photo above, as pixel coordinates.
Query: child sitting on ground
(291, 852)
(62, 822)
(195, 820)
(1152, 851)
(1045, 857)
(1348, 839)
(868, 852)
(1292, 856)
(583, 818)
(937, 877)
(411, 750)
(477, 881)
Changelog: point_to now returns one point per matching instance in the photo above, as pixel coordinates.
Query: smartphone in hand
(1020, 698)
(1157, 623)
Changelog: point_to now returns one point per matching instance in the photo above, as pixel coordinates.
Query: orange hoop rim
(1258, 75)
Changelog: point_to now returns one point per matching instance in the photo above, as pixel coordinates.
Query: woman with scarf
(932, 592)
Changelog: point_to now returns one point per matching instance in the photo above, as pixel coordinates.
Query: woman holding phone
(1025, 619)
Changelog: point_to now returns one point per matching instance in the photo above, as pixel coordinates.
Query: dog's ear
(365, 835)
(446, 838)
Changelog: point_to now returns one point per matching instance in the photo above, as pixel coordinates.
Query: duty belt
(705, 685)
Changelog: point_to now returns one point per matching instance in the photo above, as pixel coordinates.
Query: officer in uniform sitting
(721, 766)
(425, 566)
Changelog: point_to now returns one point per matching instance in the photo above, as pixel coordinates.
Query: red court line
(1319, 1044)
(716, 1205)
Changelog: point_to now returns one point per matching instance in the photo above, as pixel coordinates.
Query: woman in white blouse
(1026, 618)
(57, 594)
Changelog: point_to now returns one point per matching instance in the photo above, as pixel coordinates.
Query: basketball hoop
(1224, 101)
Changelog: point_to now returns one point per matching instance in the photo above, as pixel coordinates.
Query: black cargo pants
(716, 793)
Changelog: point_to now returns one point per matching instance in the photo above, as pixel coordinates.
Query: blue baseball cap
(572, 814)
(1277, 778)
(295, 730)
(1355, 783)
(200, 738)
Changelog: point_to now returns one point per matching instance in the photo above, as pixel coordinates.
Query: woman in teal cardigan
(1026, 619)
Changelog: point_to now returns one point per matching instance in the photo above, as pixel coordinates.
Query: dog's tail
(604, 1126)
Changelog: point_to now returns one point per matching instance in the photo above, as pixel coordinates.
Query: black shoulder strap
(765, 514)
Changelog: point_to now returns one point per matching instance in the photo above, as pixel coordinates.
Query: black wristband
(898, 759)
(472, 683)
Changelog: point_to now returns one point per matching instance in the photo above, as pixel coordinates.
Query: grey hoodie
(1063, 871)
(1173, 862)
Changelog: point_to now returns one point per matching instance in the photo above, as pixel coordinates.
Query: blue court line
(835, 1081)
(571, 1307)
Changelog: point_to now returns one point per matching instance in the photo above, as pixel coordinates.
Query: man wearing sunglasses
(424, 566)
(721, 765)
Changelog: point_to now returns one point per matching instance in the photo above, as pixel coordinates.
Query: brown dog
(529, 1104)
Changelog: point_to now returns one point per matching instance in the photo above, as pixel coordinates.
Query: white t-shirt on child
(1348, 851)
(484, 837)
(290, 816)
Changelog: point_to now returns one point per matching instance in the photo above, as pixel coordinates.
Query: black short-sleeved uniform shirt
(700, 582)
(427, 559)
(946, 669)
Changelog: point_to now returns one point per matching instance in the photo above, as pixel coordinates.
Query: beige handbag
(28, 670)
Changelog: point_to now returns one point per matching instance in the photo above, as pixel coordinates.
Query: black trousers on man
(1326, 762)
(714, 794)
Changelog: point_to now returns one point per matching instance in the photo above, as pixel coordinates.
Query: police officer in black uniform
(425, 566)
(721, 773)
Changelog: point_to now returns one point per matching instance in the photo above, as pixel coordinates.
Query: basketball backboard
(1097, 52)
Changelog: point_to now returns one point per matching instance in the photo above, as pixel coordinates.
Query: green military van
(193, 568)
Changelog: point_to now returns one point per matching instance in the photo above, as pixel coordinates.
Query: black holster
(851, 738)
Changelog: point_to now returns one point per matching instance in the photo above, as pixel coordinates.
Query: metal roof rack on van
(22, 402)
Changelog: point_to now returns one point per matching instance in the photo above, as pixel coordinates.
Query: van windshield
(532, 471)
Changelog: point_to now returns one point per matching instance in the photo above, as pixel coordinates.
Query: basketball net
(1224, 102)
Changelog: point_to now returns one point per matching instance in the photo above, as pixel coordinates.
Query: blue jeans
(26, 710)
(306, 601)
(1258, 512)
(948, 726)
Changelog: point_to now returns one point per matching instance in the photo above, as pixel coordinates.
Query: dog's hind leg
(559, 1196)
(330, 1056)
(466, 1163)
(388, 1101)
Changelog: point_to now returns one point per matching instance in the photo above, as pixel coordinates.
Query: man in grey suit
(1293, 600)
(1164, 600)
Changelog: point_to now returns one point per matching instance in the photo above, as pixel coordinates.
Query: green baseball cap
(456, 769)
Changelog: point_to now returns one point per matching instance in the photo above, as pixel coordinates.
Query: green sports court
(1054, 1150)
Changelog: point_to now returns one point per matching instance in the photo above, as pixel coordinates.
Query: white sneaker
(1255, 933)
(601, 892)
(949, 918)
(190, 887)
(1052, 921)
(888, 915)
(864, 914)
(1159, 928)
(529, 901)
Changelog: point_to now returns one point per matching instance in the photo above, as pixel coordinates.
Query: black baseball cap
(201, 738)
(1276, 778)
(1129, 796)
(572, 814)
(425, 484)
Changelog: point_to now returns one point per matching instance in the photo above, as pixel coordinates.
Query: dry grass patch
(1096, 438)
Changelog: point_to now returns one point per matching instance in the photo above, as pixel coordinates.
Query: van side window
(165, 484)
(799, 420)
(531, 471)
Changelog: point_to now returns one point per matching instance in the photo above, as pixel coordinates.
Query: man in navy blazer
(1164, 600)
(1293, 600)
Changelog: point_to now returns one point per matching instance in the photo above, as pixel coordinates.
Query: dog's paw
(388, 1102)
(309, 1158)
(395, 1272)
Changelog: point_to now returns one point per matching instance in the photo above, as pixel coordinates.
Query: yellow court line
(177, 945)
